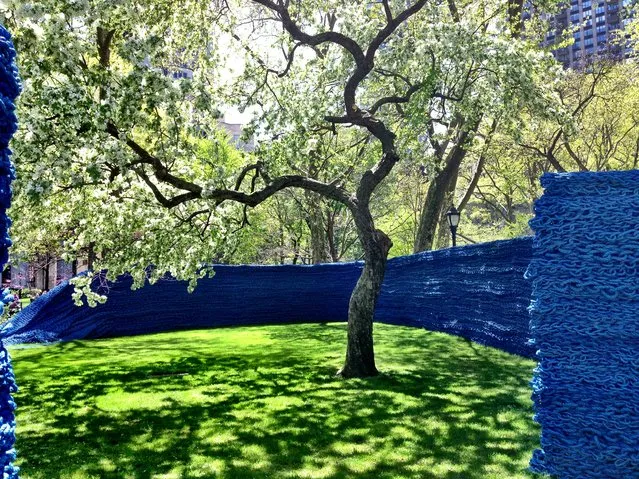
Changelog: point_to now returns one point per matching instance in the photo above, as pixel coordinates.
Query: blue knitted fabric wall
(585, 324)
(9, 91)
(478, 292)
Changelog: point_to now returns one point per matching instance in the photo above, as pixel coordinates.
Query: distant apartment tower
(597, 30)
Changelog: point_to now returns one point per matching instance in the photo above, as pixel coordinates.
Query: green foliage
(601, 133)
(264, 402)
(81, 186)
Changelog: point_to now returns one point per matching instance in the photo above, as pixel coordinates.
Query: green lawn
(264, 402)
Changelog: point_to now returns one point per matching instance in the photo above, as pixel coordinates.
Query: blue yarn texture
(585, 325)
(9, 90)
(478, 292)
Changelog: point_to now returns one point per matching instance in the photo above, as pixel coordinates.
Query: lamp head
(453, 217)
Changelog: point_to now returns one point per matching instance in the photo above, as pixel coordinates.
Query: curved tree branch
(195, 191)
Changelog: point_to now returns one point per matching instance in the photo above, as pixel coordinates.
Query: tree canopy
(368, 119)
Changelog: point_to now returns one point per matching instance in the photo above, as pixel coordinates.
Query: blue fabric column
(9, 91)
(585, 325)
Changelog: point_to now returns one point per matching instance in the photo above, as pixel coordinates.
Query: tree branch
(313, 40)
(194, 191)
(479, 168)
(394, 99)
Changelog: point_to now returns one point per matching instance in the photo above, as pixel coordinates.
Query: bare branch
(387, 10)
(313, 40)
(194, 191)
(479, 168)
(396, 99)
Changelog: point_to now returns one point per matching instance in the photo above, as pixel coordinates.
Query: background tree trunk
(317, 229)
(91, 256)
(433, 205)
(437, 191)
(443, 230)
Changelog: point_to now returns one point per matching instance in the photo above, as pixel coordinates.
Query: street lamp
(453, 221)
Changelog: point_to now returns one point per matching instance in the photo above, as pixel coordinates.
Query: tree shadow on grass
(270, 406)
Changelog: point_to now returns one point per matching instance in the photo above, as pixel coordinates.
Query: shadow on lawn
(179, 405)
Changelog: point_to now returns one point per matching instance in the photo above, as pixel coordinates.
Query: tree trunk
(315, 222)
(436, 195)
(46, 273)
(360, 356)
(296, 250)
(91, 256)
(443, 230)
(330, 236)
(433, 205)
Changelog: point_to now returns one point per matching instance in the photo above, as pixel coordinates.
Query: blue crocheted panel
(478, 292)
(9, 90)
(585, 323)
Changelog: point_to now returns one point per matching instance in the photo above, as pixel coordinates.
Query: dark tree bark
(47, 264)
(315, 222)
(479, 168)
(360, 356)
(515, 17)
(91, 256)
(330, 236)
(436, 196)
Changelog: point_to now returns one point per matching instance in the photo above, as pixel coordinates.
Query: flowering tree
(126, 151)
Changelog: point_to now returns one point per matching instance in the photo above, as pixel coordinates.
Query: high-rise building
(597, 28)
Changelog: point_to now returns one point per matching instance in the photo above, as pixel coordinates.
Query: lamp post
(453, 221)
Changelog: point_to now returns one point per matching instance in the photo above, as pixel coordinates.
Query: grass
(264, 402)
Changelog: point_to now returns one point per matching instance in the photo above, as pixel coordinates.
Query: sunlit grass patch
(264, 402)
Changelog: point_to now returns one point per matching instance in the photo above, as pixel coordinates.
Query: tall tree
(113, 131)
(600, 129)
(138, 155)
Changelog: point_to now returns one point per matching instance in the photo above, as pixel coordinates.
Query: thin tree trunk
(296, 250)
(282, 244)
(515, 18)
(315, 222)
(360, 356)
(46, 272)
(479, 168)
(330, 236)
(91, 256)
